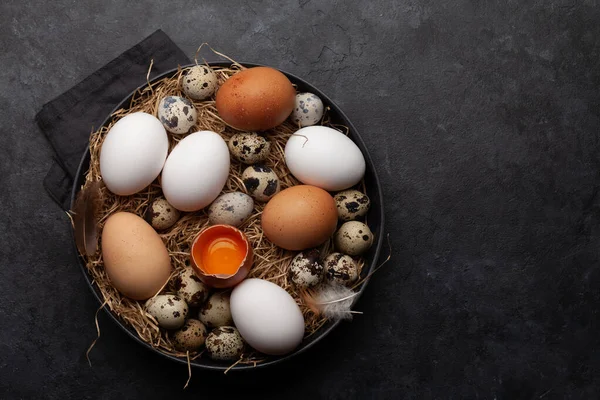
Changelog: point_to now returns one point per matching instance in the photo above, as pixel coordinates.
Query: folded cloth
(68, 120)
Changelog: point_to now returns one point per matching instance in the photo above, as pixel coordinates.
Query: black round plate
(375, 218)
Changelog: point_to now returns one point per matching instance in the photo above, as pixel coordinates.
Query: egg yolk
(219, 253)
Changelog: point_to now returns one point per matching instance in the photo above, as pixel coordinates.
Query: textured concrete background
(483, 119)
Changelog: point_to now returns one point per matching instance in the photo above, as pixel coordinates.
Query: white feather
(334, 301)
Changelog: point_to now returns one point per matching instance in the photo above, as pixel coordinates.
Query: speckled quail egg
(261, 182)
(351, 204)
(230, 209)
(216, 312)
(249, 148)
(199, 82)
(353, 238)
(191, 288)
(340, 268)
(308, 109)
(161, 215)
(177, 114)
(191, 336)
(224, 343)
(306, 269)
(168, 309)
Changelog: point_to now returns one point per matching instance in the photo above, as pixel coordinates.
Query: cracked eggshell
(340, 268)
(230, 209)
(161, 215)
(261, 182)
(353, 238)
(191, 336)
(224, 343)
(249, 148)
(306, 269)
(351, 204)
(169, 310)
(199, 82)
(216, 311)
(308, 109)
(177, 114)
(191, 288)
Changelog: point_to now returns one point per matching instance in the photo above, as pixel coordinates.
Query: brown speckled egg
(191, 288)
(249, 148)
(299, 217)
(256, 99)
(230, 209)
(340, 268)
(191, 336)
(161, 215)
(351, 204)
(306, 269)
(199, 82)
(216, 312)
(169, 310)
(224, 343)
(261, 182)
(177, 114)
(353, 238)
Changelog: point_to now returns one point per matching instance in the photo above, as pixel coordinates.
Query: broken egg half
(221, 256)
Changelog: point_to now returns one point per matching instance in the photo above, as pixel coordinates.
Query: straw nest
(271, 262)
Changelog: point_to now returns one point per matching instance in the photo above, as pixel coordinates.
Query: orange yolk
(219, 252)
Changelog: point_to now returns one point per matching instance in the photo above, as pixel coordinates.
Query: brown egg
(135, 257)
(256, 99)
(299, 217)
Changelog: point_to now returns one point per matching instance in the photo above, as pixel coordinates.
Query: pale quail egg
(308, 109)
(230, 209)
(340, 268)
(191, 288)
(249, 148)
(216, 311)
(261, 182)
(351, 204)
(191, 336)
(353, 238)
(224, 343)
(161, 215)
(169, 310)
(177, 114)
(199, 82)
(306, 269)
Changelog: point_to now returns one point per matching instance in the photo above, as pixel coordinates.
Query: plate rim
(82, 169)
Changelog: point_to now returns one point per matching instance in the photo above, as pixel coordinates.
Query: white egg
(267, 316)
(308, 109)
(323, 157)
(133, 153)
(196, 171)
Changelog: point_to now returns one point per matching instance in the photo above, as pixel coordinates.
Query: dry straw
(271, 263)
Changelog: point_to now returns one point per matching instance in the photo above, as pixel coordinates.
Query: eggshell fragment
(135, 257)
(256, 99)
(169, 310)
(353, 238)
(224, 343)
(299, 217)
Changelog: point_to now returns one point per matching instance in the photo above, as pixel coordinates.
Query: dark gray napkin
(68, 120)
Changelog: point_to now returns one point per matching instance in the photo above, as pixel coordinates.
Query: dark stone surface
(483, 119)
